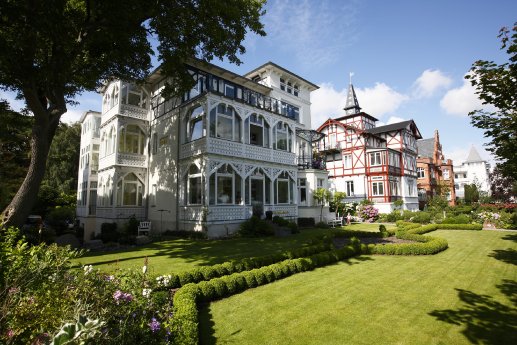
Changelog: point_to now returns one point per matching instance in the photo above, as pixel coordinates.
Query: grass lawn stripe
(381, 300)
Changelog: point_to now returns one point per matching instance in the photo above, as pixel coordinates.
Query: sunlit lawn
(464, 295)
(182, 254)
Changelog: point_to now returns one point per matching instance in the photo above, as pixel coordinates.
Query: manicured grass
(466, 294)
(183, 254)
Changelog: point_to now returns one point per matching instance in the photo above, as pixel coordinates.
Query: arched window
(194, 186)
(283, 137)
(130, 191)
(110, 142)
(100, 195)
(114, 96)
(225, 123)
(225, 186)
(257, 131)
(195, 127)
(258, 188)
(131, 140)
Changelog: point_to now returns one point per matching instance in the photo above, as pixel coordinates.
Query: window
(195, 124)
(289, 87)
(229, 90)
(411, 187)
(376, 158)
(130, 191)
(257, 131)
(394, 187)
(319, 183)
(446, 174)
(194, 185)
(420, 172)
(350, 188)
(131, 140)
(155, 143)
(283, 137)
(296, 90)
(283, 189)
(225, 123)
(377, 188)
(422, 195)
(225, 186)
(290, 111)
(302, 191)
(282, 84)
(347, 161)
(257, 186)
(133, 95)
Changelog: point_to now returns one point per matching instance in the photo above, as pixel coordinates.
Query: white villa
(231, 146)
(473, 170)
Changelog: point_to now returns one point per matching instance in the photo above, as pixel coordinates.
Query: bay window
(195, 128)
(377, 188)
(376, 158)
(257, 131)
(283, 137)
(131, 140)
(284, 188)
(133, 95)
(225, 186)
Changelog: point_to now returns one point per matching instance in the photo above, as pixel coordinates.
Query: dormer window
(282, 84)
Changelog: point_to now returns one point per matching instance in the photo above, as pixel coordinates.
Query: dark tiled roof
(425, 147)
(390, 127)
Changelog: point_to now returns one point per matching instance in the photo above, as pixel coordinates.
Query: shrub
(459, 219)
(250, 279)
(59, 217)
(421, 217)
(255, 227)
(382, 229)
(293, 227)
(322, 225)
(185, 321)
(368, 212)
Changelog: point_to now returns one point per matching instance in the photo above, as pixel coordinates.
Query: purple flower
(120, 296)
(154, 325)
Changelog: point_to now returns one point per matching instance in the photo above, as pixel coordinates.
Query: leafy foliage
(503, 187)
(497, 85)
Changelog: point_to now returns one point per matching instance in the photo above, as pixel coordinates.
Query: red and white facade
(369, 162)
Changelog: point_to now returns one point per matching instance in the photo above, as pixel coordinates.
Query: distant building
(434, 171)
(370, 162)
(473, 170)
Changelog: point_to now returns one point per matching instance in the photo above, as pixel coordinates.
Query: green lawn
(182, 254)
(464, 295)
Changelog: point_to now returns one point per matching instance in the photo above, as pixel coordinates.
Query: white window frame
(378, 188)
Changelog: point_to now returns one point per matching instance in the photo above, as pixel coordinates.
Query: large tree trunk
(46, 122)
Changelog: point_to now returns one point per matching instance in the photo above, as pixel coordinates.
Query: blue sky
(408, 59)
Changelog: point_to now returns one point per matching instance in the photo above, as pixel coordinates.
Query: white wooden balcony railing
(125, 159)
(236, 149)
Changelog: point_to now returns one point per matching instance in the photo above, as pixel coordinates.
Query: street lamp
(161, 217)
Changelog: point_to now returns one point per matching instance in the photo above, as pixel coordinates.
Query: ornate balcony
(126, 159)
(236, 149)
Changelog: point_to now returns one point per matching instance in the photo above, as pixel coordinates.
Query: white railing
(107, 161)
(285, 211)
(133, 111)
(120, 213)
(235, 149)
(131, 159)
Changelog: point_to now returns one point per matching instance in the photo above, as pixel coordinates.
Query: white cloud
(380, 99)
(377, 101)
(326, 102)
(313, 32)
(72, 115)
(461, 100)
(429, 82)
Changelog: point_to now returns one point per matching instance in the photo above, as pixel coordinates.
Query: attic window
(282, 84)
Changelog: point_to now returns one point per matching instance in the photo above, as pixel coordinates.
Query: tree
(497, 85)
(14, 151)
(503, 188)
(51, 51)
(337, 202)
(321, 195)
(63, 159)
(471, 193)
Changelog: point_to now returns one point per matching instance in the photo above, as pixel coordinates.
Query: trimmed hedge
(426, 245)
(186, 299)
(206, 273)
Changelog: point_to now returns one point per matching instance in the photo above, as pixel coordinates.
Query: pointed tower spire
(352, 105)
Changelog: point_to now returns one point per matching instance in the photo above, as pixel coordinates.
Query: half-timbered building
(370, 162)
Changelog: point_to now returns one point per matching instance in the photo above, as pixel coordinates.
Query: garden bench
(144, 228)
(337, 220)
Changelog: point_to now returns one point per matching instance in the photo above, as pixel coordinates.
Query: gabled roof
(474, 156)
(409, 124)
(425, 147)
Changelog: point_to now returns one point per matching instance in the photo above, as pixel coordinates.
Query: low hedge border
(204, 273)
(186, 299)
(426, 245)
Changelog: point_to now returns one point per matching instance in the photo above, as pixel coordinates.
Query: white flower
(88, 269)
(146, 293)
(144, 269)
